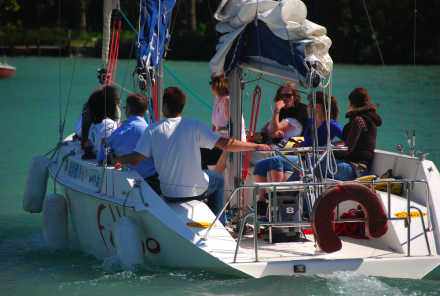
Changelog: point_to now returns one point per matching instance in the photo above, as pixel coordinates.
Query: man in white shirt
(174, 143)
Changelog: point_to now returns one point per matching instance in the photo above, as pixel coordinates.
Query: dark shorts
(154, 183)
(210, 156)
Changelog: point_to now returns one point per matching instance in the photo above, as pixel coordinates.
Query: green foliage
(88, 39)
(42, 36)
(9, 5)
(346, 22)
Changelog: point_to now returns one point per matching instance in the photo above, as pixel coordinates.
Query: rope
(331, 164)
(128, 21)
(139, 23)
(130, 60)
(109, 63)
(118, 36)
(187, 88)
(252, 128)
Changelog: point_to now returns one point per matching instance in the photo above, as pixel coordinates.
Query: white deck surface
(287, 251)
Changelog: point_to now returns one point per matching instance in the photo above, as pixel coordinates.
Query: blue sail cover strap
(258, 40)
(153, 33)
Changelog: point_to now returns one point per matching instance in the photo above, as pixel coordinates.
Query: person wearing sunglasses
(277, 166)
(289, 116)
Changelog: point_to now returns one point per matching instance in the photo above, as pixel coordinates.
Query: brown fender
(322, 214)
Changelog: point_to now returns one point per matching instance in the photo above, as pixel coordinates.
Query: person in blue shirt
(276, 166)
(124, 139)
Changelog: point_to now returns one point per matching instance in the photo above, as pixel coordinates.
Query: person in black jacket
(359, 135)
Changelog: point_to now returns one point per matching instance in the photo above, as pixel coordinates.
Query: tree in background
(8, 13)
(83, 18)
(194, 36)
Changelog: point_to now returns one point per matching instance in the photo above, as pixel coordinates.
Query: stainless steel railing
(276, 187)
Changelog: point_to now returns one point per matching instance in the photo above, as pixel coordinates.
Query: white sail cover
(286, 21)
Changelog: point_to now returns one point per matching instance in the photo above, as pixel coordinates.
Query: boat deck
(305, 250)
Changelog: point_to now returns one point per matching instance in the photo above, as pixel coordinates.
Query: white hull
(167, 239)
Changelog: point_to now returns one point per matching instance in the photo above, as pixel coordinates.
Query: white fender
(55, 232)
(128, 241)
(36, 184)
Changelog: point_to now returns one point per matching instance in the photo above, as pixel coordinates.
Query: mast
(108, 7)
(235, 115)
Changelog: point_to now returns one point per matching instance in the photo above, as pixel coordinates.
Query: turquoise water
(29, 116)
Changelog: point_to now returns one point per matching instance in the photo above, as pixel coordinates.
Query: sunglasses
(285, 96)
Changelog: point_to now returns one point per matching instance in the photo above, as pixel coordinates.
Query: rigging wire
(110, 59)
(118, 36)
(59, 75)
(185, 86)
(69, 95)
(127, 20)
(414, 64)
(128, 66)
(374, 37)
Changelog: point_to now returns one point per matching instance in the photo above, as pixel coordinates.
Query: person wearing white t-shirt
(100, 131)
(174, 143)
(99, 119)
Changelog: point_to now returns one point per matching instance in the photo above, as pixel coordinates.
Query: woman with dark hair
(102, 113)
(359, 135)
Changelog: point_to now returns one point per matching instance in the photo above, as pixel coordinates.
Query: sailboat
(109, 211)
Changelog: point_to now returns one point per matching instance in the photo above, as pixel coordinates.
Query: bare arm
(133, 158)
(234, 145)
(275, 121)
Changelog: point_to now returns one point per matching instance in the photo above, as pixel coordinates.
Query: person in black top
(289, 117)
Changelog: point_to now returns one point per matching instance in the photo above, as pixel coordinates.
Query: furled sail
(109, 6)
(275, 32)
(155, 16)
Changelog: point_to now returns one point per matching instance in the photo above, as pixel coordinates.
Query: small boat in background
(6, 70)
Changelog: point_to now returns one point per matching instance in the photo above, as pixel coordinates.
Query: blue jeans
(277, 163)
(345, 171)
(215, 193)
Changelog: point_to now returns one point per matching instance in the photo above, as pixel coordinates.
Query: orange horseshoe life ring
(375, 216)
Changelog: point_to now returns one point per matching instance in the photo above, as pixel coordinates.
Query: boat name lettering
(83, 173)
(106, 216)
